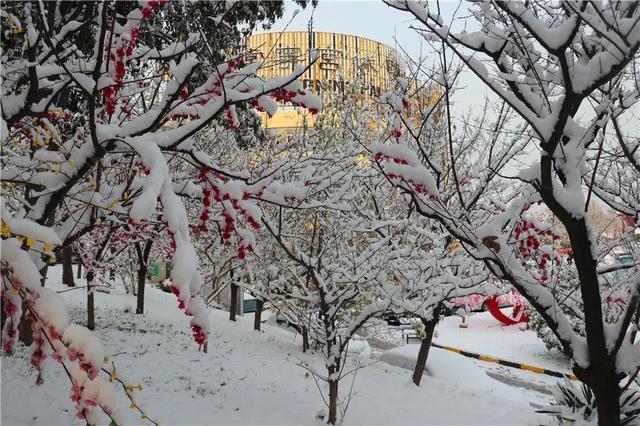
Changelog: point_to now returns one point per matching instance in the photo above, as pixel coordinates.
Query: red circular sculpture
(519, 315)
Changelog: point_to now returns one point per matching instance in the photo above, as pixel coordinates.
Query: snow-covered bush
(575, 402)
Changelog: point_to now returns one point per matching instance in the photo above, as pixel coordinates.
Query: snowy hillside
(255, 378)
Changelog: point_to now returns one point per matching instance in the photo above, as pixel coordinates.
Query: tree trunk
(600, 374)
(91, 315)
(79, 274)
(423, 354)
(234, 302)
(258, 315)
(142, 276)
(305, 338)
(607, 394)
(67, 266)
(333, 371)
(91, 320)
(143, 257)
(333, 402)
(604, 380)
(25, 334)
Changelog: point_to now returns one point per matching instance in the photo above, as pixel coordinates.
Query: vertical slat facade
(342, 56)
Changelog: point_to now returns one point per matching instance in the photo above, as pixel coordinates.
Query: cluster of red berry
(527, 235)
(233, 210)
(122, 49)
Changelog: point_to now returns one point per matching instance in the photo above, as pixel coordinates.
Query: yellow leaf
(47, 247)
(4, 229)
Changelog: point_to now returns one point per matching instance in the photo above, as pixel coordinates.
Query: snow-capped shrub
(575, 402)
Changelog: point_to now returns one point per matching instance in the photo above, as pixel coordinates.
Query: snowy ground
(486, 336)
(255, 378)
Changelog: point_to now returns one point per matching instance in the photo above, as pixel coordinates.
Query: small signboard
(158, 272)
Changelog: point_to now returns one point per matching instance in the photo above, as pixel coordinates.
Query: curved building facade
(341, 57)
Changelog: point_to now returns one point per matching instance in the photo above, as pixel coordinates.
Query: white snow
(255, 378)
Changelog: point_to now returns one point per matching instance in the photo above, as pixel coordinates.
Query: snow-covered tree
(429, 273)
(567, 70)
(97, 99)
(434, 272)
(336, 267)
(327, 264)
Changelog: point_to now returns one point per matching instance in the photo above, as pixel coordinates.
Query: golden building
(341, 57)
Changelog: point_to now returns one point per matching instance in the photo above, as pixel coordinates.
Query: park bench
(409, 334)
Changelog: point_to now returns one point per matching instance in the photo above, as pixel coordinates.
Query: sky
(376, 20)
